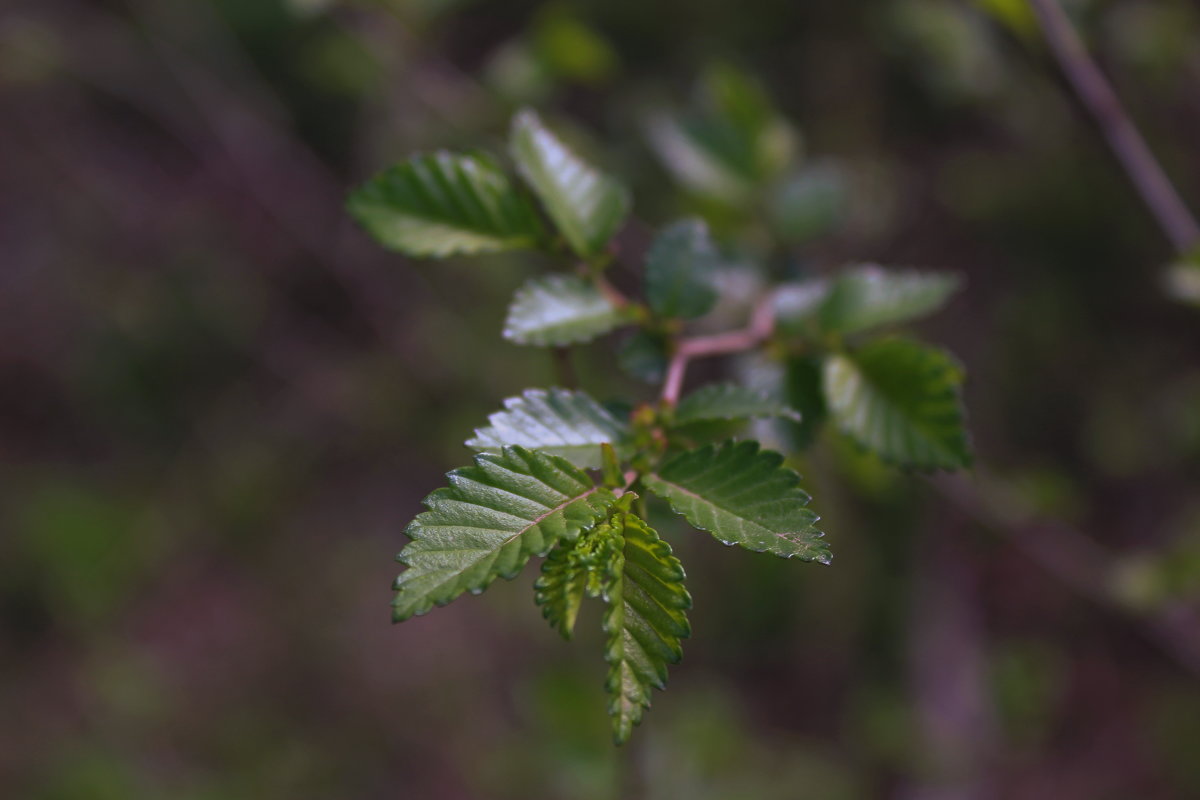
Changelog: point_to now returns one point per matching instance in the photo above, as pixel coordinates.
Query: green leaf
(587, 206)
(680, 267)
(870, 296)
(442, 204)
(734, 146)
(644, 356)
(707, 157)
(742, 495)
(812, 202)
(560, 422)
(573, 569)
(645, 618)
(492, 518)
(559, 310)
(802, 388)
(728, 401)
(798, 306)
(901, 400)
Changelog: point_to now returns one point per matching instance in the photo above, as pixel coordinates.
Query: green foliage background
(219, 403)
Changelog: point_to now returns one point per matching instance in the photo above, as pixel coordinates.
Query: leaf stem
(762, 325)
(564, 367)
(1130, 148)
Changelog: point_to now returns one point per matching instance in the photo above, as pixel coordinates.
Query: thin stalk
(1130, 148)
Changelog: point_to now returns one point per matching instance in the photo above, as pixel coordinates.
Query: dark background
(220, 404)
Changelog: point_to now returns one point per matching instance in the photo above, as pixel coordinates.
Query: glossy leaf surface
(444, 204)
(560, 422)
(869, 296)
(586, 205)
(729, 401)
(742, 495)
(901, 400)
(559, 310)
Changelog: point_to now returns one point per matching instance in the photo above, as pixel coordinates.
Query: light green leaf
(680, 269)
(559, 310)
(869, 296)
(901, 400)
(492, 518)
(645, 618)
(587, 206)
(742, 495)
(442, 204)
(560, 422)
(573, 569)
(728, 401)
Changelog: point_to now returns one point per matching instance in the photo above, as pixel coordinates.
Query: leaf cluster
(560, 475)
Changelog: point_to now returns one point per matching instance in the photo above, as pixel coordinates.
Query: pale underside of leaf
(557, 310)
(492, 518)
(561, 422)
(742, 495)
(586, 205)
(728, 401)
(445, 204)
(900, 400)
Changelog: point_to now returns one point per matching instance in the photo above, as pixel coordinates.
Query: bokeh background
(220, 403)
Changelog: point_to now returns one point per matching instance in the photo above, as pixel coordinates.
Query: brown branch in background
(1076, 561)
(1139, 163)
(762, 324)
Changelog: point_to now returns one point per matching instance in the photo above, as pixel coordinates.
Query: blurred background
(220, 404)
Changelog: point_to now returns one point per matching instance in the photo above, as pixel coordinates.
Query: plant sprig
(557, 474)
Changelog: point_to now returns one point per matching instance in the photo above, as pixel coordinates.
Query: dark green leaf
(561, 422)
(644, 356)
(744, 496)
(680, 268)
(810, 203)
(728, 401)
(587, 206)
(442, 204)
(802, 388)
(901, 400)
(869, 296)
(492, 518)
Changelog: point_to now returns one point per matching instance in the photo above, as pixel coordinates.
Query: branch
(1131, 150)
(1078, 562)
(762, 324)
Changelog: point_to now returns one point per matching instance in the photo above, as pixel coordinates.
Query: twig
(1131, 150)
(564, 368)
(762, 324)
(1078, 562)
